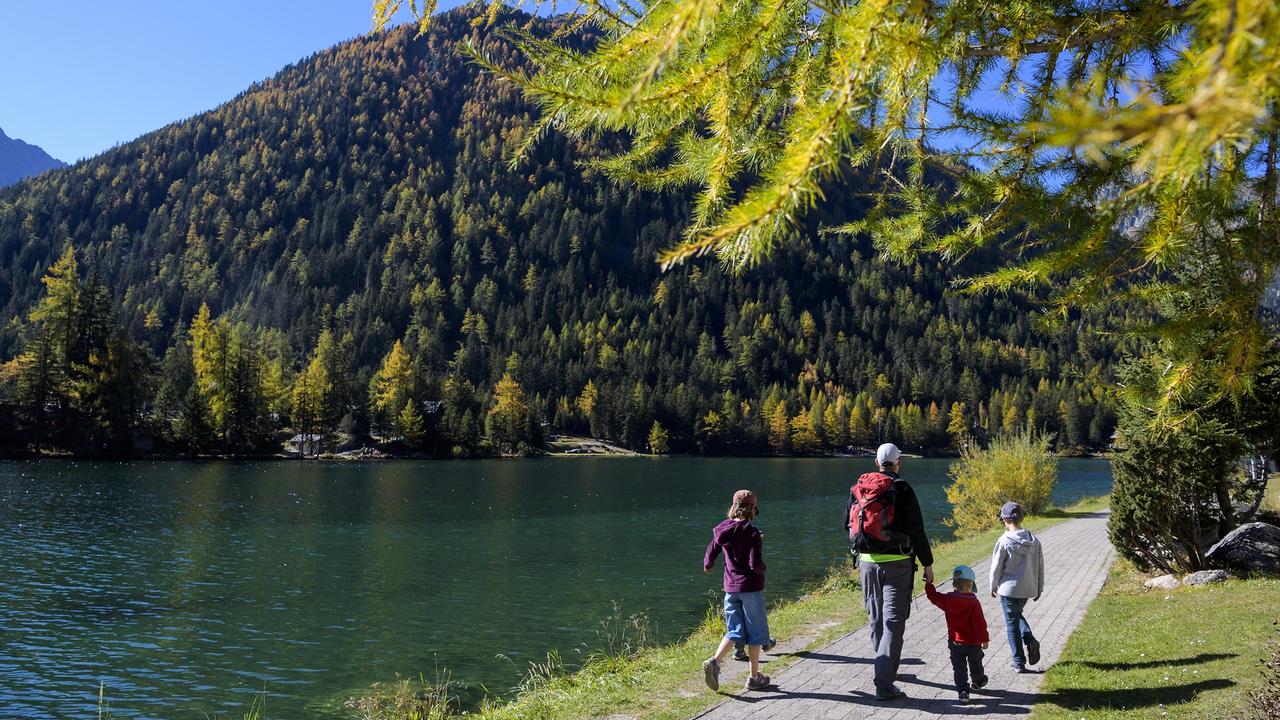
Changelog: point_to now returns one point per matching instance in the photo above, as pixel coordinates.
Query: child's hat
(1011, 511)
(964, 572)
(744, 497)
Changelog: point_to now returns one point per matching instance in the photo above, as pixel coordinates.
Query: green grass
(1193, 652)
(665, 682)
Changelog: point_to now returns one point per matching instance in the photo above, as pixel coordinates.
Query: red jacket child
(965, 621)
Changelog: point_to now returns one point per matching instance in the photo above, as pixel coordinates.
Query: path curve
(835, 681)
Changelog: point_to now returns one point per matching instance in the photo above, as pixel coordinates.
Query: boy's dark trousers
(966, 661)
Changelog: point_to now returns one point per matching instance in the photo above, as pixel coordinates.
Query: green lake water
(188, 589)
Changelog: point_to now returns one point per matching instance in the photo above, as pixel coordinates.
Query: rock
(1205, 577)
(1254, 547)
(1164, 582)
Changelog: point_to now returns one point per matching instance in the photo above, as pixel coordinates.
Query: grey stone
(1205, 577)
(1164, 582)
(1254, 547)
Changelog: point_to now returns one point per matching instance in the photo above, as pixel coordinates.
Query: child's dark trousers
(966, 661)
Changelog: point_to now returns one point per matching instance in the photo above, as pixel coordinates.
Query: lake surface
(188, 589)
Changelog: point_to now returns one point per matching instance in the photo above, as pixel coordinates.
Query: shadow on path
(829, 659)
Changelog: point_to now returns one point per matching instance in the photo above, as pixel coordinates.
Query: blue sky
(80, 76)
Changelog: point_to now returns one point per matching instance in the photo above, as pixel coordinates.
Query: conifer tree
(392, 386)
(509, 418)
(659, 440)
(1127, 137)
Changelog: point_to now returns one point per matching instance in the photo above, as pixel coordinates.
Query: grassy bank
(1188, 653)
(664, 682)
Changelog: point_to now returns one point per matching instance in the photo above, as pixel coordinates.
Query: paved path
(835, 681)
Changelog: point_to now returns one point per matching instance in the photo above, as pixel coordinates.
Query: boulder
(1205, 577)
(1254, 547)
(1164, 582)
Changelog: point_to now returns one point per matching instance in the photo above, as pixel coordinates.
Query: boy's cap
(888, 454)
(1011, 511)
(964, 572)
(744, 497)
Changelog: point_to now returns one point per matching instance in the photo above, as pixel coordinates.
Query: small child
(744, 610)
(1017, 574)
(966, 628)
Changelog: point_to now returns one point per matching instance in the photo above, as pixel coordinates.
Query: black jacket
(907, 519)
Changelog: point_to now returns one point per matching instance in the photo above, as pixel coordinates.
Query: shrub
(1016, 467)
(1166, 507)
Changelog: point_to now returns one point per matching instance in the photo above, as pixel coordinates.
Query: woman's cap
(1011, 511)
(964, 572)
(888, 454)
(744, 497)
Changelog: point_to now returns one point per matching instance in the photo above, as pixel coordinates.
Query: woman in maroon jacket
(744, 610)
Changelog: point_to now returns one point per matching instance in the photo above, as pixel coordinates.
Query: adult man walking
(886, 533)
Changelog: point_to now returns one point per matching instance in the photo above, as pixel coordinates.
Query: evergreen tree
(659, 441)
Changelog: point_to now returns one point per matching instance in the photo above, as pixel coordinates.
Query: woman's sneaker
(711, 673)
(758, 682)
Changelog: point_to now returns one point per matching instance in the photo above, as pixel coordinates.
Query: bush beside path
(835, 681)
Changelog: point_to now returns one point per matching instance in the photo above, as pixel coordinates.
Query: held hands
(984, 645)
(928, 575)
(993, 593)
(1035, 599)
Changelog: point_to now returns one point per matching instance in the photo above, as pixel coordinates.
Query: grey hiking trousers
(886, 591)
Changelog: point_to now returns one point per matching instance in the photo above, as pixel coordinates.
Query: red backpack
(871, 516)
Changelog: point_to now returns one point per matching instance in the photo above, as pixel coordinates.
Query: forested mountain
(344, 247)
(19, 160)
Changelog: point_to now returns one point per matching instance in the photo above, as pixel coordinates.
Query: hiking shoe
(711, 673)
(741, 655)
(1018, 669)
(1033, 652)
(979, 683)
(964, 697)
(769, 645)
(893, 694)
(758, 682)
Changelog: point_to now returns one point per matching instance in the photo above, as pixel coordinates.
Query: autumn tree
(1132, 156)
(659, 440)
(391, 387)
(509, 420)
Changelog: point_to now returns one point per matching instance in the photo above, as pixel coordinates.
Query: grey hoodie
(1017, 565)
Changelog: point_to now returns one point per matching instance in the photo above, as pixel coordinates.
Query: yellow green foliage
(1013, 467)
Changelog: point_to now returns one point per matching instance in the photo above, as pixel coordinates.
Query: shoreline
(590, 449)
(662, 680)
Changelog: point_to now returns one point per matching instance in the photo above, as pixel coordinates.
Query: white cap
(888, 454)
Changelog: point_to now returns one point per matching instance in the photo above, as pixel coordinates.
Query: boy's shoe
(741, 655)
(1033, 652)
(964, 697)
(1018, 669)
(979, 683)
(893, 694)
(758, 682)
(769, 645)
(711, 673)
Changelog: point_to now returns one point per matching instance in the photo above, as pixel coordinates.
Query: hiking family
(888, 541)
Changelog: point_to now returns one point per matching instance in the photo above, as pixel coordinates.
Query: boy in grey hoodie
(1017, 575)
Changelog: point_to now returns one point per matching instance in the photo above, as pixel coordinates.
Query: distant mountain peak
(20, 160)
